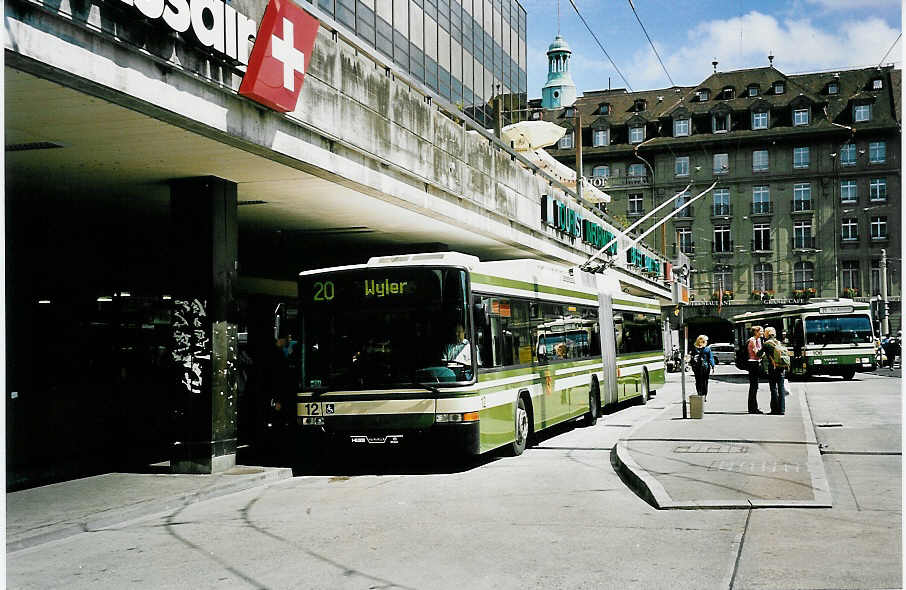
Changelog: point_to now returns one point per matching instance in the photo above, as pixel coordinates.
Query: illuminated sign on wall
(282, 46)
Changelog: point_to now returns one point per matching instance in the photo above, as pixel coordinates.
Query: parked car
(723, 353)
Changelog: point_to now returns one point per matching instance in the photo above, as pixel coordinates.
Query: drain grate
(711, 448)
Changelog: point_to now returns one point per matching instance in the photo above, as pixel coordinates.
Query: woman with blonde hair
(753, 348)
(702, 362)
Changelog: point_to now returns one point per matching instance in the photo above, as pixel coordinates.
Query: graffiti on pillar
(191, 344)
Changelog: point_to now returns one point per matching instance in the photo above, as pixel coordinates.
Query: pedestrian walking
(753, 347)
(775, 360)
(895, 344)
(702, 362)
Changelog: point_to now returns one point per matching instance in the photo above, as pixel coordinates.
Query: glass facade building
(467, 51)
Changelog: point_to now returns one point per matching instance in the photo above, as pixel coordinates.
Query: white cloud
(853, 4)
(797, 44)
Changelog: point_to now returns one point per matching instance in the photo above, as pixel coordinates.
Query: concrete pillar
(204, 260)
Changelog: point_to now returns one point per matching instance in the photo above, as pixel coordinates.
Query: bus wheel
(522, 428)
(849, 374)
(645, 391)
(594, 405)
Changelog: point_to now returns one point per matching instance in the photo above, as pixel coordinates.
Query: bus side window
(480, 310)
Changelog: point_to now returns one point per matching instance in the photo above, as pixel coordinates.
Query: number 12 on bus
(473, 356)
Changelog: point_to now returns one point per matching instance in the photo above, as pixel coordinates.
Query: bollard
(696, 406)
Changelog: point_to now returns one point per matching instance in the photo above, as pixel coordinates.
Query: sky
(803, 35)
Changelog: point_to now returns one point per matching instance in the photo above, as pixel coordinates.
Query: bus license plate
(392, 439)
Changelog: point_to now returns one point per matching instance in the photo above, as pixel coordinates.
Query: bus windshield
(838, 329)
(385, 327)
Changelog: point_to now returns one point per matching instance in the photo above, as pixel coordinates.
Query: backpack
(781, 356)
(698, 359)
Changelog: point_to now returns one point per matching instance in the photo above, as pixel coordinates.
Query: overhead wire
(889, 50)
(595, 37)
(650, 42)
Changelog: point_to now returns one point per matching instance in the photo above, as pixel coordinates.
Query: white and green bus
(827, 337)
(473, 355)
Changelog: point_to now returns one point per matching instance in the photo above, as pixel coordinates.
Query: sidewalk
(47, 513)
(729, 458)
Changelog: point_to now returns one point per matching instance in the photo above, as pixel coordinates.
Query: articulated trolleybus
(471, 355)
(828, 337)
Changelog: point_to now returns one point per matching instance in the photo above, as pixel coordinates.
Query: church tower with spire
(559, 91)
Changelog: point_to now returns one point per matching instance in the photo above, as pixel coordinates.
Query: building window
(721, 204)
(703, 94)
(848, 155)
(760, 120)
(684, 236)
(723, 278)
(636, 204)
(764, 277)
(762, 237)
(721, 163)
(876, 277)
(681, 166)
(728, 93)
(566, 142)
(720, 122)
(600, 138)
(778, 88)
(636, 134)
(879, 228)
(849, 229)
(851, 274)
(802, 235)
(877, 189)
(803, 275)
(800, 117)
(570, 112)
(848, 191)
(680, 127)
(636, 170)
(678, 203)
(877, 84)
(861, 113)
(722, 242)
(877, 152)
(761, 199)
(802, 196)
(833, 88)
(800, 157)
(759, 160)
(603, 171)
(753, 90)
(604, 109)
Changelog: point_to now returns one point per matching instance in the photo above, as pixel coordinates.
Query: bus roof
(819, 306)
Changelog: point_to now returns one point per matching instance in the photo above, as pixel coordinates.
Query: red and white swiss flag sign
(280, 56)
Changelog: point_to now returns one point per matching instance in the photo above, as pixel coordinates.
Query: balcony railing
(800, 205)
(720, 209)
(846, 240)
(722, 248)
(762, 208)
(623, 180)
(762, 246)
(803, 242)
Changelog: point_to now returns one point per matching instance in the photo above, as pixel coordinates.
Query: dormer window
(778, 88)
(604, 109)
(801, 117)
(570, 112)
(720, 122)
(753, 90)
(566, 142)
(703, 95)
(600, 137)
(728, 93)
(877, 84)
(680, 127)
(637, 134)
(833, 88)
(861, 113)
(640, 104)
(761, 120)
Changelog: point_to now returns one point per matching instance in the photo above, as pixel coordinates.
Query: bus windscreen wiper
(433, 389)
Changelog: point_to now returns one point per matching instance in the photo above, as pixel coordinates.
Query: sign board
(680, 293)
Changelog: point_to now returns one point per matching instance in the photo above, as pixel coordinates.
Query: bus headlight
(818, 361)
(865, 360)
(456, 418)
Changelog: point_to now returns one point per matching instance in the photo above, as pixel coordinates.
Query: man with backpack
(775, 359)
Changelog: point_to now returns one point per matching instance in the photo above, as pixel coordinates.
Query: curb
(652, 491)
(119, 515)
